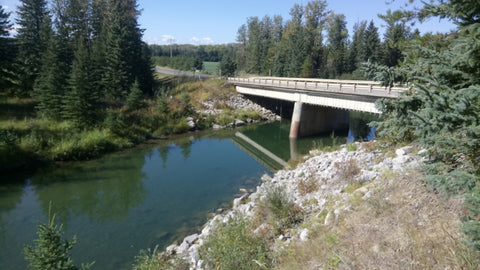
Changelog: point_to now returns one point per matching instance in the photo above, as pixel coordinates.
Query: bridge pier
(309, 119)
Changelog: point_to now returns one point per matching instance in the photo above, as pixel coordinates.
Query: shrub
(234, 246)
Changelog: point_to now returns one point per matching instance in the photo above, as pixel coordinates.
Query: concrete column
(296, 117)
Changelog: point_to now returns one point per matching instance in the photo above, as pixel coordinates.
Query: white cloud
(169, 39)
(201, 41)
(161, 40)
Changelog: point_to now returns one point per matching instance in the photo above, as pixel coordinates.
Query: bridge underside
(315, 112)
(327, 99)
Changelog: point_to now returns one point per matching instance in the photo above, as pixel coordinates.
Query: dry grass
(401, 227)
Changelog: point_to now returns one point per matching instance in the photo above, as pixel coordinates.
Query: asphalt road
(183, 73)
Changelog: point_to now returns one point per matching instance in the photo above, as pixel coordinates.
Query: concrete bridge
(320, 105)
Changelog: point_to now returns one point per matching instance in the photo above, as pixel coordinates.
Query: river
(151, 195)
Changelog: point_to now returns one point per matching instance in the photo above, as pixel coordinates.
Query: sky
(217, 21)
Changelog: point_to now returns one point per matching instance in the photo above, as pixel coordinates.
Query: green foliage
(234, 246)
(50, 250)
(154, 260)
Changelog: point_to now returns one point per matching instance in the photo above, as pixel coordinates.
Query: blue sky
(217, 21)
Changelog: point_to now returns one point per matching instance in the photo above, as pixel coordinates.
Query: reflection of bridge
(338, 94)
(259, 153)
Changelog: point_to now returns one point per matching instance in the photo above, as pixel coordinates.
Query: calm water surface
(151, 195)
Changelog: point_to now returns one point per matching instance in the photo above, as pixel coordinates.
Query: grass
(234, 246)
(211, 67)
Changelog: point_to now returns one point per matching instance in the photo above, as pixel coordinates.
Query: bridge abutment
(309, 119)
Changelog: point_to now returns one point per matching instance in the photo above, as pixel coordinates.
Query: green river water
(152, 195)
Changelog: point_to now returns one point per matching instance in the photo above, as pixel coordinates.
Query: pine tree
(51, 81)
(227, 65)
(135, 98)
(31, 16)
(50, 250)
(337, 44)
(82, 99)
(7, 53)
(126, 56)
(372, 50)
(356, 48)
(442, 109)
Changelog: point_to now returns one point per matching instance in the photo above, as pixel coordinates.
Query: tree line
(75, 54)
(315, 42)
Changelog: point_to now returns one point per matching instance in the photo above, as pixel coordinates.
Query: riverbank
(27, 140)
(354, 208)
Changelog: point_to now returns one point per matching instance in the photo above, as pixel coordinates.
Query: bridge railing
(368, 88)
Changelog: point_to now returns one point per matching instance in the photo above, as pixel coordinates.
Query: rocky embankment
(238, 103)
(331, 179)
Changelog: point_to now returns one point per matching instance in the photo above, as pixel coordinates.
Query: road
(183, 73)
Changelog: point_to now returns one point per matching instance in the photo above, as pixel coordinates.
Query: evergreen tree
(82, 99)
(396, 34)
(371, 50)
(31, 16)
(297, 49)
(7, 53)
(51, 81)
(315, 17)
(50, 250)
(135, 98)
(356, 48)
(125, 53)
(241, 52)
(337, 45)
(442, 109)
(227, 66)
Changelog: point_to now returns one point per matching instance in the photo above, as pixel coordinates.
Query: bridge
(320, 105)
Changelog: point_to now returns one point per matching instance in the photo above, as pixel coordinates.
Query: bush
(234, 246)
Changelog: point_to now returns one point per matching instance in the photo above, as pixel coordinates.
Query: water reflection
(103, 191)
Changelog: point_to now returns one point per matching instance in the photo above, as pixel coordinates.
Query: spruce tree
(82, 99)
(51, 81)
(337, 44)
(7, 53)
(126, 56)
(50, 250)
(442, 108)
(135, 99)
(31, 16)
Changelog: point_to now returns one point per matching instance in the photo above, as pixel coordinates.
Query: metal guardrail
(368, 88)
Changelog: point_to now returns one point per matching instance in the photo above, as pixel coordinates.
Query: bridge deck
(364, 88)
